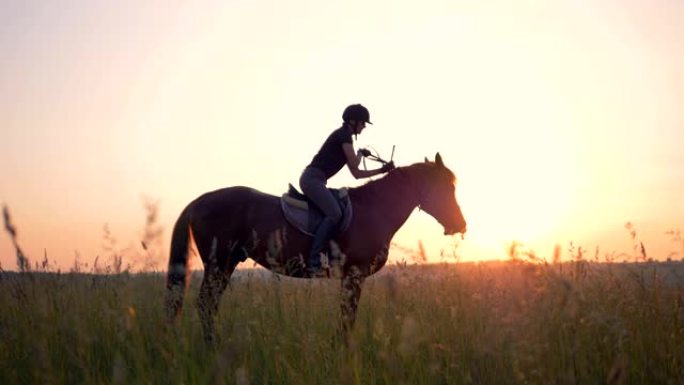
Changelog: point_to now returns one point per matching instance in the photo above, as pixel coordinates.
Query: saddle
(303, 214)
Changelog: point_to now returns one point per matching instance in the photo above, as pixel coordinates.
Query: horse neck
(392, 197)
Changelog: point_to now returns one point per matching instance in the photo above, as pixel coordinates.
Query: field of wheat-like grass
(489, 323)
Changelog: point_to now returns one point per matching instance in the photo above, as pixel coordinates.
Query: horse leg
(351, 292)
(217, 272)
(212, 287)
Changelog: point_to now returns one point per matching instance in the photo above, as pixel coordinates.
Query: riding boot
(320, 241)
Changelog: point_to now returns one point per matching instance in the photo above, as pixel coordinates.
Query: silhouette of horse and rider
(235, 223)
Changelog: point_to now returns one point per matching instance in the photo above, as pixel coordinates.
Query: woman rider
(336, 151)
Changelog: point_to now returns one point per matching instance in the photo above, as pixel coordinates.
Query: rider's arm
(353, 161)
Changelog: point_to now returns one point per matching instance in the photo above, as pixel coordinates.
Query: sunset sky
(562, 120)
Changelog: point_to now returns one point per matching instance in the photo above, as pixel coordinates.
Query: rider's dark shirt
(330, 158)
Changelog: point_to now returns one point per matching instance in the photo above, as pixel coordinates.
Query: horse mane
(400, 176)
(376, 186)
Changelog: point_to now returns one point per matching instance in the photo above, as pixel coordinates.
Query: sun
(525, 196)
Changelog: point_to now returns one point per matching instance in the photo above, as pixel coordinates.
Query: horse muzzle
(452, 231)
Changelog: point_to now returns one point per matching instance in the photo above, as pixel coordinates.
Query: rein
(416, 189)
(377, 158)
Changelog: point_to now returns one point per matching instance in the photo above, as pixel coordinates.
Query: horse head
(437, 196)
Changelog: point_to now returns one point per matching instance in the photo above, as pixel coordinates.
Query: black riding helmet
(356, 112)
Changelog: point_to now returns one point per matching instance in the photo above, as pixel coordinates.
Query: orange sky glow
(562, 120)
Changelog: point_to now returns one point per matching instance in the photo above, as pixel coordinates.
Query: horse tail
(178, 266)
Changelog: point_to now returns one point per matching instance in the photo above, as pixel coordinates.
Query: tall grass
(488, 323)
(524, 321)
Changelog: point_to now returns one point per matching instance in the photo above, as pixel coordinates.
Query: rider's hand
(364, 152)
(387, 167)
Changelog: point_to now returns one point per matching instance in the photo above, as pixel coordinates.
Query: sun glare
(528, 200)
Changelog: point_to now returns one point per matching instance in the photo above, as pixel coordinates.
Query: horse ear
(438, 160)
(426, 160)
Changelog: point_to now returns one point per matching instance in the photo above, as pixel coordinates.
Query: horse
(235, 223)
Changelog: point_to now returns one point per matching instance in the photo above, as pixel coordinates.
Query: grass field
(490, 323)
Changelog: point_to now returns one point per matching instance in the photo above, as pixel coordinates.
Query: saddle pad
(307, 217)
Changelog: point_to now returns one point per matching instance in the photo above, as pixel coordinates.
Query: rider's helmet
(356, 112)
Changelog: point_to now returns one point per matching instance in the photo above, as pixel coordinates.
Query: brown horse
(234, 223)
